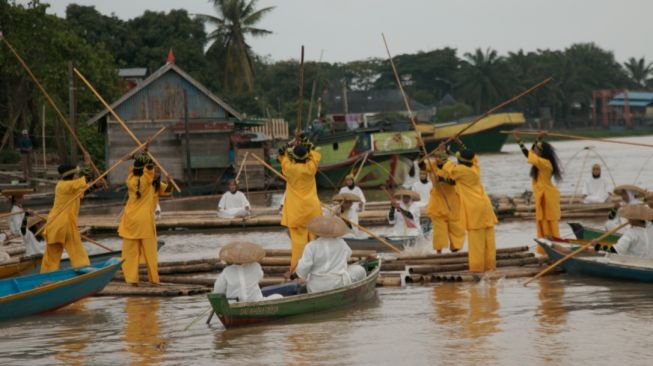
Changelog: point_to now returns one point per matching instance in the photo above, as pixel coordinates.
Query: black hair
(63, 168)
(548, 152)
(138, 172)
(411, 171)
(466, 157)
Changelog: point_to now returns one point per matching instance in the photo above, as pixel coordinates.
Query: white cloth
(424, 191)
(408, 180)
(32, 246)
(4, 256)
(16, 221)
(400, 222)
(357, 191)
(356, 272)
(241, 281)
(324, 264)
(157, 212)
(636, 242)
(596, 190)
(233, 205)
(613, 223)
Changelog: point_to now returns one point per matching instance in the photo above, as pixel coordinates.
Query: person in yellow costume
(161, 189)
(137, 228)
(477, 212)
(444, 208)
(299, 165)
(61, 232)
(545, 165)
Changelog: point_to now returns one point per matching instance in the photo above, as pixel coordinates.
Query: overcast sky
(351, 29)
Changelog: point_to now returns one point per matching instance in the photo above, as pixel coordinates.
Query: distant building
(132, 76)
(159, 101)
(622, 107)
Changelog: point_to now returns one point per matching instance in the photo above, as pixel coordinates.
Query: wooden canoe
(247, 313)
(32, 264)
(39, 293)
(588, 233)
(374, 244)
(613, 266)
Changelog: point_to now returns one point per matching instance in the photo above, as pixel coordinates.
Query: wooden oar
(52, 104)
(125, 127)
(380, 239)
(573, 137)
(7, 214)
(360, 168)
(300, 108)
(490, 111)
(582, 248)
(126, 157)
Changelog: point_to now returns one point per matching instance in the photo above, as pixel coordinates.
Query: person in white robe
(239, 281)
(404, 214)
(18, 226)
(233, 203)
(411, 176)
(637, 240)
(345, 208)
(596, 188)
(351, 187)
(630, 195)
(423, 187)
(324, 261)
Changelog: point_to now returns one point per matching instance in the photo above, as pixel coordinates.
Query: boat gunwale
(593, 260)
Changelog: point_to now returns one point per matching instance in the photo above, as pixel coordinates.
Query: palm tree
(235, 21)
(639, 71)
(482, 78)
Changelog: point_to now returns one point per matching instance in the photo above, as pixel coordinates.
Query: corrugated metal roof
(636, 95)
(132, 72)
(631, 103)
(156, 76)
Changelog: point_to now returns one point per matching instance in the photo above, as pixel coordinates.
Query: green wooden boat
(588, 233)
(247, 313)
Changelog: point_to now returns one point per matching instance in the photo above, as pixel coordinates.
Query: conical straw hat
(328, 227)
(636, 212)
(638, 192)
(406, 192)
(18, 192)
(241, 252)
(346, 197)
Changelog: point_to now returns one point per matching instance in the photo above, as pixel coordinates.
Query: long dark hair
(548, 152)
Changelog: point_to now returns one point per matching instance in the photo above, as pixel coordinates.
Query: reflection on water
(142, 335)
(552, 318)
(71, 346)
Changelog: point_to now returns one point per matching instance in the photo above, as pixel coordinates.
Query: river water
(557, 320)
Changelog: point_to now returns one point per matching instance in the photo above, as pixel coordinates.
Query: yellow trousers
(299, 237)
(447, 233)
(546, 228)
(130, 253)
(482, 250)
(53, 252)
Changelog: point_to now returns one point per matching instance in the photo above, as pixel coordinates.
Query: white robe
(241, 281)
(596, 190)
(408, 180)
(357, 191)
(233, 205)
(32, 246)
(16, 221)
(324, 265)
(636, 242)
(400, 226)
(424, 191)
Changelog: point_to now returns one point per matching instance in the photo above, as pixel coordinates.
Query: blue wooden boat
(39, 293)
(32, 264)
(601, 265)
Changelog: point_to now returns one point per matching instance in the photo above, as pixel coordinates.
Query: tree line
(214, 49)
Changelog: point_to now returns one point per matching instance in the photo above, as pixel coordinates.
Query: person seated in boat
(596, 189)
(233, 203)
(18, 226)
(411, 176)
(630, 195)
(637, 240)
(351, 187)
(239, 280)
(423, 187)
(345, 208)
(404, 214)
(324, 262)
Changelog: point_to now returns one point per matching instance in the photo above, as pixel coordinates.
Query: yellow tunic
(65, 223)
(301, 203)
(138, 219)
(438, 207)
(477, 211)
(547, 196)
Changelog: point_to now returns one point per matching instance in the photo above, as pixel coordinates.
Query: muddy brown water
(558, 320)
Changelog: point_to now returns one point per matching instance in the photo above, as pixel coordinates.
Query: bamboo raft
(190, 277)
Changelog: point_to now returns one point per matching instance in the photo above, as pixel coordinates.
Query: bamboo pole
(126, 157)
(124, 125)
(380, 239)
(573, 137)
(490, 111)
(360, 168)
(43, 218)
(54, 106)
(242, 164)
(300, 108)
(568, 256)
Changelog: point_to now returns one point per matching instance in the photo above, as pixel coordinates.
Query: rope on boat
(580, 174)
(642, 169)
(606, 167)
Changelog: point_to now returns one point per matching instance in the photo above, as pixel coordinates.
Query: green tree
(481, 79)
(639, 71)
(236, 20)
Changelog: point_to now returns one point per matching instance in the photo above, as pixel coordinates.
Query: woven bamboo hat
(327, 226)
(649, 197)
(638, 192)
(241, 252)
(636, 212)
(17, 192)
(346, 197)
(406, 192)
